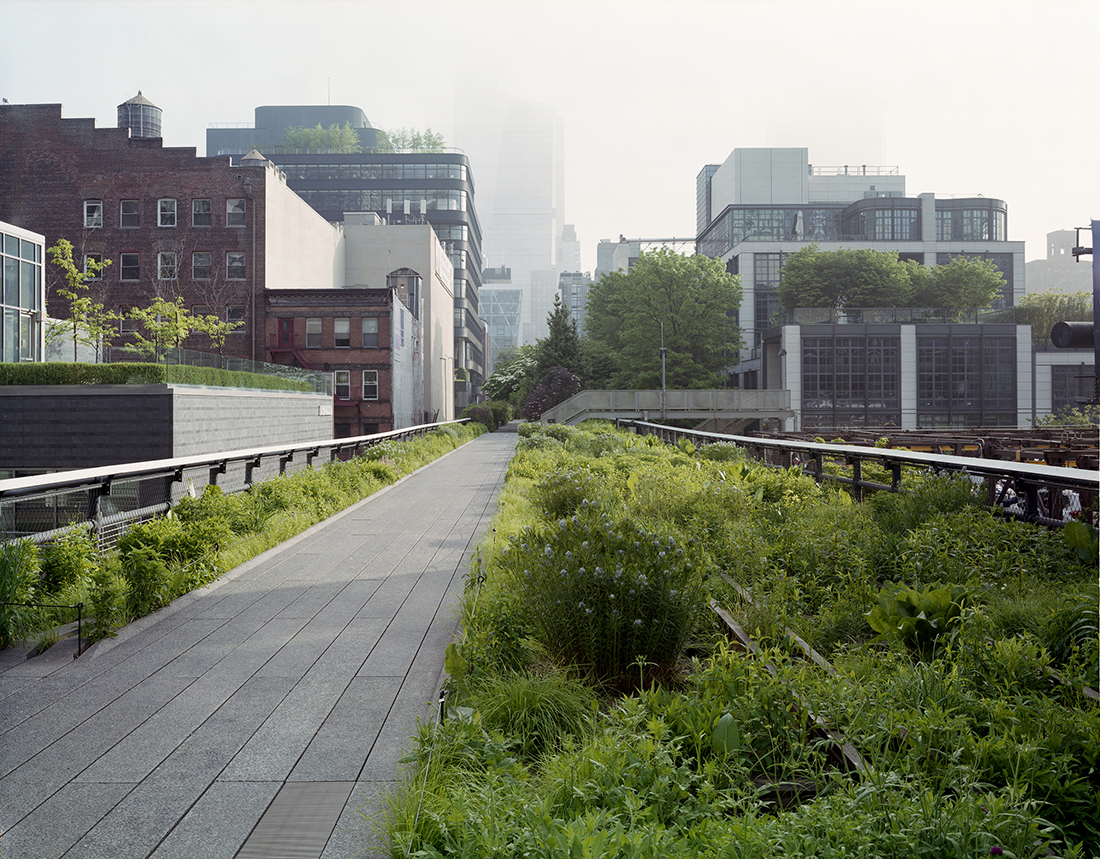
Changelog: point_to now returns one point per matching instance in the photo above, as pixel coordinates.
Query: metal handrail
(1000, 475)
(103, 476)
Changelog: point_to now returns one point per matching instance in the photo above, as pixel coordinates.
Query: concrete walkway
(261, 717)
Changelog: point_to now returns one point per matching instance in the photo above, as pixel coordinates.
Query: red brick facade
(102, 190)
(301, 331)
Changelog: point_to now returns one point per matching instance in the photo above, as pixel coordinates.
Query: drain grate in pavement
(299, 821)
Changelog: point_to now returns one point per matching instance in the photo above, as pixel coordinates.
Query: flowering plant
(607, 595)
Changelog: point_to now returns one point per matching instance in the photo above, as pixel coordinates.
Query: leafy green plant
(106, 603)
(918, 619)
(606, 594)
(147, 579)
(538, 711)
(1084, 539)
(66, 561)
(18, 581)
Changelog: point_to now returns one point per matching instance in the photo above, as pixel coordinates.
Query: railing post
(857, 476)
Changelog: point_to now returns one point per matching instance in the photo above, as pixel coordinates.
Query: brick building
(369, 339)
(173, 224)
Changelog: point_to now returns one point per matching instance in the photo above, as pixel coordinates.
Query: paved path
(260, 717)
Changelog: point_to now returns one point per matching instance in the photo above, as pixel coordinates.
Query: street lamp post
(663, 353)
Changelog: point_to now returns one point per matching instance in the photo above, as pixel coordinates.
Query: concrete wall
(373, 251)
(84, 426)
(301, 250)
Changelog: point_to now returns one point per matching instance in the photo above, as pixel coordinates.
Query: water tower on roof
(141, 116)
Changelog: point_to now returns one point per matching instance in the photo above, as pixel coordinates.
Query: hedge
(57, 373)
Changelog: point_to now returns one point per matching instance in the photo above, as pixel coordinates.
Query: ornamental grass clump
(610, 598)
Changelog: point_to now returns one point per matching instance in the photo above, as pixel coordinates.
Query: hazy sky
(967, 97)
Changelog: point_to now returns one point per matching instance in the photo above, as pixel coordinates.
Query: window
(126, 323)
(342, 384)
(201, 213)
(234, 213)
(370, 333)
(201, 264)
(313, 333)
(166, 266)
(234, 266)
(235, 315)
(166, 213)
(370, 384)
(341, 334)
(93, 213)
(130, 266)
(92, 266)
(198, 311)
(129, 214)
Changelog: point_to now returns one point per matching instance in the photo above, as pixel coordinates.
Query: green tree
(335, 138)
(165, 324)
(89, 322)
(413, 140)
(964, 282)
(514, 376)
(844, 278)
(562, 346)
(1042, 310)
(1084, 415)
(688, 299)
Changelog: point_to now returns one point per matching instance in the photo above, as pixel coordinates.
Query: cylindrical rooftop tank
(141, 116)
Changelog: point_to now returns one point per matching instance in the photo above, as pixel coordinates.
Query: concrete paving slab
(219, 822)
(63, 819)
(354, 836)
(140, 821)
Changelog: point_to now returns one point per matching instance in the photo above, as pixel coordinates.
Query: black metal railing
(109, 499)
(1045, 494)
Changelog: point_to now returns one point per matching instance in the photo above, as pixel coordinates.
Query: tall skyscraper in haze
(569, 249)
(518, 147)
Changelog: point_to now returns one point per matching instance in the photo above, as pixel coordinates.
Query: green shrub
(58, 373)
(921, 620)
(973, 546)
(18, 580)
(608, 595)
(1072, 633)
(66, 561)
(106, 602)
(502, 412)
(537, 711)
(561, 493)
(147, 581)
(721, 451)
(482, 414)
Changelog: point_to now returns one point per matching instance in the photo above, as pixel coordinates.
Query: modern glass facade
(503, 308)
(850, 380)
(22, 294)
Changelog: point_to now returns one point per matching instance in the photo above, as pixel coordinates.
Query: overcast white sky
(967, 97)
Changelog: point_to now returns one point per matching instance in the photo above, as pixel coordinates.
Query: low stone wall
(84, 426)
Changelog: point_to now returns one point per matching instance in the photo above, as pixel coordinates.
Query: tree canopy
(89, 322)
(335, 138)
(514, 376)
(1042, 310)
(414, 140)
(688, 299)
(562, 346)
(847, 278)
(963, 282)
(843, 278)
